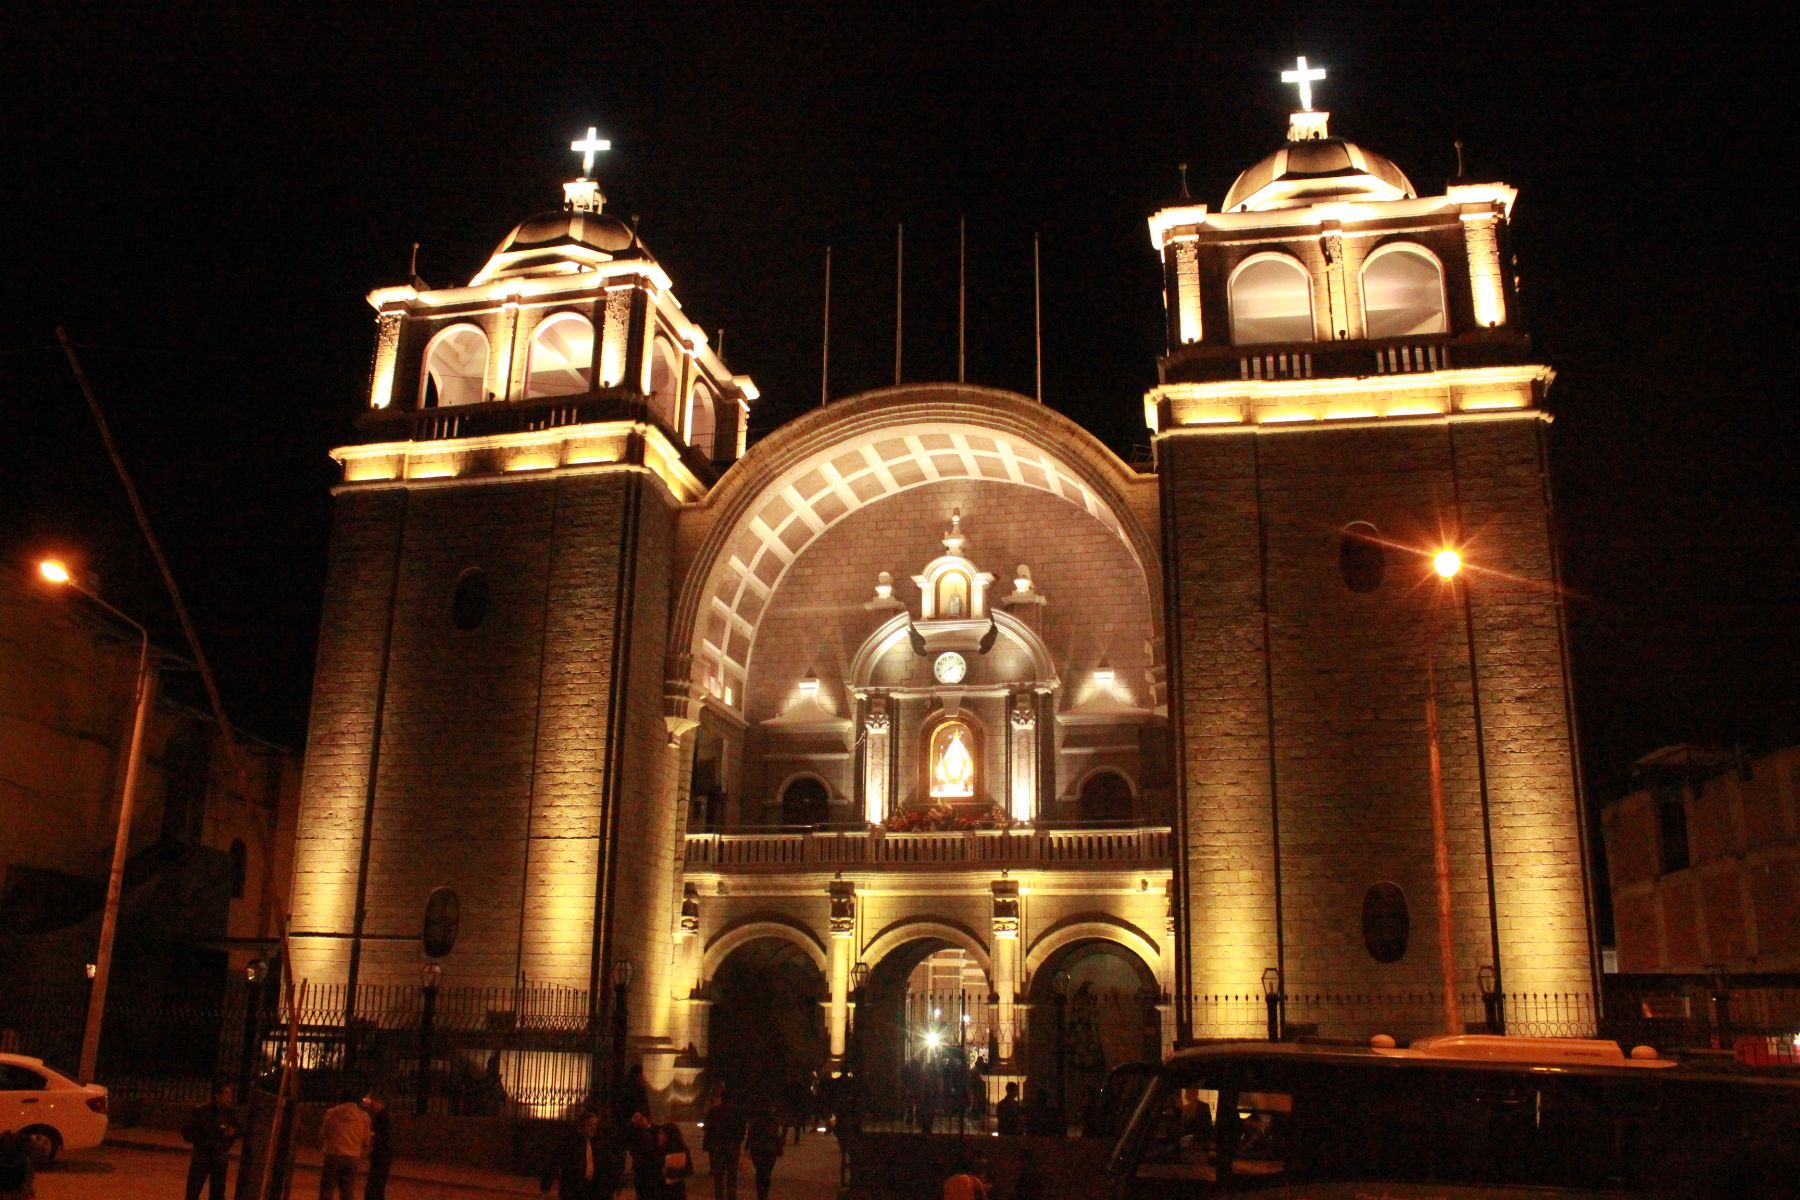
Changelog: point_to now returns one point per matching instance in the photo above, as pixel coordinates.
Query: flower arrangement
(945, 818)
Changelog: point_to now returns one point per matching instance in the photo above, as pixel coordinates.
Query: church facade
(928, 710)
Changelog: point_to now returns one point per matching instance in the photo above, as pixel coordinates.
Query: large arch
(808, 475)
(897, 935)
(1092, 927)
(729, 939)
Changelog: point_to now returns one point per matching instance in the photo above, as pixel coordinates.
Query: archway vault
(894, 936)
(813, 472)
(1093, 927)
(764, 926)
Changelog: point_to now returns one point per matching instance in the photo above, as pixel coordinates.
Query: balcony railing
(1207, 363)
(784, 849)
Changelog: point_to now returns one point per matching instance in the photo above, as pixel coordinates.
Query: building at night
(930, 682)
(1705, 864)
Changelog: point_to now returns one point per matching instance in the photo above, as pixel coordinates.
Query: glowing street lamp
(58, 573)
(1446, 563)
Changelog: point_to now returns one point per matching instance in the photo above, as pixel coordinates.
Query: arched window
(1403, 292)
(665, 383)
(1361, 559)
(953, 760)
(701, 420)
(562, 357)
(1271, 301)
(443, 921)
(1105, 796)
(805, 801)
(455, 368)
(952, 599)
(1386, 923)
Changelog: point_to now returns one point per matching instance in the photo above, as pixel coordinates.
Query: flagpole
(825, 349)
(899, 294)
(1037, 313)
(962, 298)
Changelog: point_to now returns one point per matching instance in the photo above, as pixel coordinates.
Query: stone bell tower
(1345, 393)
(487, 715)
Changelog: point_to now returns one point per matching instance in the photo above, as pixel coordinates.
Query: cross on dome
(1301, 75)
(593, 143)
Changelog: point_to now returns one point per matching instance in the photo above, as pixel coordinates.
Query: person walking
(344, 1136)
(211, 1129)
(767, 1138)
(659, 1160)
(723, 1142)
(381, 1146)
(584, 1165)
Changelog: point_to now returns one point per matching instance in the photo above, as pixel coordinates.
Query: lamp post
(429, 974)
(1447, 563)
(1488, 980)
(254, 971)
(59, 574)
(621, 981)
(1273, 999)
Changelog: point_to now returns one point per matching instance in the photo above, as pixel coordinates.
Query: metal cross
(593, 142)
(1299, 75)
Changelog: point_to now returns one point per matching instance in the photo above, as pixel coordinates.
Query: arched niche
(1105, 794)
(456, 363)
(703, 421)
(665, 382)
(1271, 300)
(950, 767)
(561, 360)
(1403, 292)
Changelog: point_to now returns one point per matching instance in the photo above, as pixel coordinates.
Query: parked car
(51, 1111)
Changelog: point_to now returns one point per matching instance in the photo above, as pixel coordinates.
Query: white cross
(1299, 75)
(594, 142)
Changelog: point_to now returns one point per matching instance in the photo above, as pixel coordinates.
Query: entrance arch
(1105, 1014)
(766, 1027)
(799, 482)
(922, 1021)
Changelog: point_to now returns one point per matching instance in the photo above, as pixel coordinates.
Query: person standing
(344, 1136)
(632, 1097)
(211, 1129)
(765, 1145)
(724, 1143)
(381, 1146)
(659, 1160)
(584, 1165)
(1010, 1114)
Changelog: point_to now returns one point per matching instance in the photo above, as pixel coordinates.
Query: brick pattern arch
(796, 484)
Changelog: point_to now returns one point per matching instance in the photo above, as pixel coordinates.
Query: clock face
(949, 667)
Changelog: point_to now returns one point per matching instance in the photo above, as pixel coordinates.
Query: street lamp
(58, 573)
(1488, 980)
(621, 981)
(248, 1055)
(429, 974)
(1273, 999)
(1447, 563)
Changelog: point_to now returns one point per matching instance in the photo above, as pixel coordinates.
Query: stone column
(1187, 291)
(1005, 952)
(1024, 760)
(843, 932)
(1486, 283)
(875, 760)
(381, 371)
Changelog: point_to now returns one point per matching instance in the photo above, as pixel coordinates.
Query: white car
(51, 1111)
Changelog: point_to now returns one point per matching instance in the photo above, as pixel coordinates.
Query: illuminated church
(926, 708)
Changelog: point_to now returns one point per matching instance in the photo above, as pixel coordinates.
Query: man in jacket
(584, 1165)
(345, 1136)
(381, 1146)
(211, 1130)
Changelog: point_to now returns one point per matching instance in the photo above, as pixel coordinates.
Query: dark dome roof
(1302, 172)
(570, 226)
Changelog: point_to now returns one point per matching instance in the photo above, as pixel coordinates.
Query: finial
(1184, 187)
(1305, 77)
(1460, 172)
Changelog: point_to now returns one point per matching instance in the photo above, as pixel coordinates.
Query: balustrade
(780, 849)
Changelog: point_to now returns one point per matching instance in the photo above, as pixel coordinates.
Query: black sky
(204, 198)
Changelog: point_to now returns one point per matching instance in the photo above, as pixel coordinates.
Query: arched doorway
(767, 1026)
(1105, 796)
(923, 1023)
(805, 801)
(1093, 1007)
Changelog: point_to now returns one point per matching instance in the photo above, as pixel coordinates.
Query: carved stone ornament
(843, 909)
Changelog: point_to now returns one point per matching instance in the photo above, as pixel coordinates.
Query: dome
(1313, 169)
(564, 227)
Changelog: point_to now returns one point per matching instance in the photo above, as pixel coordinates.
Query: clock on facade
(949, 667)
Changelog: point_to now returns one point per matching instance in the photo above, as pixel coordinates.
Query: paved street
(152, 1165)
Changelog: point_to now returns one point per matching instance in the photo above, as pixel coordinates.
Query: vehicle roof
(1478, 1053)
(22, 1060)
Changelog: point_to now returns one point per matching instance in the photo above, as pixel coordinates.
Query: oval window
(1361, 558)
(1386, 923)
(469, 605)
(443, 919)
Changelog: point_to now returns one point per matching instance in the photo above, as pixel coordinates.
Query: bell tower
(1346, 392)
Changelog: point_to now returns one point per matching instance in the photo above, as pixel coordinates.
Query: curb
(523, 1189)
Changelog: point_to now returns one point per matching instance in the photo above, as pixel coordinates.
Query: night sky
(205, 200)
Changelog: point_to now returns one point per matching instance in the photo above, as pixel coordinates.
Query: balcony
(774, 850)
(1206, 363)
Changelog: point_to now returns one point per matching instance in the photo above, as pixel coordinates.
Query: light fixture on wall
(1103, 674)
(809, 686)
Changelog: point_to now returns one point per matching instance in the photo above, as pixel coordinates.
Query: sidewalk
(451, 1177)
